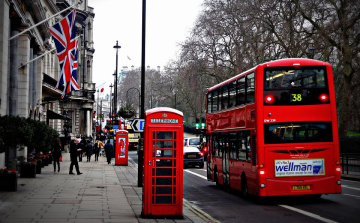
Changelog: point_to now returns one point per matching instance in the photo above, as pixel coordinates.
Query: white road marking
(318, 217)
(354, 188)
(196, 174)
(350, 181)
(358, 197)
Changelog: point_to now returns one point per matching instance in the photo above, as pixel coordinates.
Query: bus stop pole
(142, 110)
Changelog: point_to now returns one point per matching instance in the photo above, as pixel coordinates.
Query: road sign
(138, 125)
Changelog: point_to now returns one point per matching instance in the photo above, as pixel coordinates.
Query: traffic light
(197, 125)
(203, 125)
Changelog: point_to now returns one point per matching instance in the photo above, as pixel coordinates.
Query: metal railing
(350, 162)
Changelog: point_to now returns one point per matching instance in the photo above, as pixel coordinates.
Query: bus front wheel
(244, 188)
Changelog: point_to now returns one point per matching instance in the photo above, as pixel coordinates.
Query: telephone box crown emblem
(164, 115)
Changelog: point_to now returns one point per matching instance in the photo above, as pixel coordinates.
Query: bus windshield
(278, 78)
(294, 132)
(302, 86)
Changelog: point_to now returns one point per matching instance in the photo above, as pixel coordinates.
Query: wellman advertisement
(301, 167)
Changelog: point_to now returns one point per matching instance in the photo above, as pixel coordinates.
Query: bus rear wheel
(244, 188)
(216, 178)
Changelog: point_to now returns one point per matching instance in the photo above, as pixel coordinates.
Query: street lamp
(111, 117)
(117, 47)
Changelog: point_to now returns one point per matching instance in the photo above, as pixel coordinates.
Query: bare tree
(335, 27)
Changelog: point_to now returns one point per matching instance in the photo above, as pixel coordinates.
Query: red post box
(121, 148)
(163, 164)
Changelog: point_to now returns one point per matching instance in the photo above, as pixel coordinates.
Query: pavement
(103, 193)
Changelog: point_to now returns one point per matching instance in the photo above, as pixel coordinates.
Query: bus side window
(215, 145)
(220, 145)
(241, 145)
(240, 89)
(214, 104)
(232, 94)
(232, 145)
(250, 88)
(224, 97)
(209, 102)
(248, 146)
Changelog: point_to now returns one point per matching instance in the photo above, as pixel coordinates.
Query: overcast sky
(168, 22)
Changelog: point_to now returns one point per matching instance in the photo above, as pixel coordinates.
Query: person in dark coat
(56, 153)
(81, 146)
(97, 147)
(74, 150)
(89, 148)
(109, 149)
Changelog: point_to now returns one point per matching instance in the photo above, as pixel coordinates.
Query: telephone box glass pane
(163, 200)
(164, 153)
(163, 190)
(163, 172)
(174, 135)
(164, 135)
(163, 181)
(164, 144)
(164, 162)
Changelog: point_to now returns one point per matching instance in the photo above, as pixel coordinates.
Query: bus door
(225, 159)
(209, 157)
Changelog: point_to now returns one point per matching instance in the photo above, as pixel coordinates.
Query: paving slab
(103, 193)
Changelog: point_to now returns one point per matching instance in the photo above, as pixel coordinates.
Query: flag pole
(72, 6)
(23, 65)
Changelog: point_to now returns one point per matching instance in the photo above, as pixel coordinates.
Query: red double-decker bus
(272, 130)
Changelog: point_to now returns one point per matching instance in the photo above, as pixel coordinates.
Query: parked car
(193, 141)
(193, 157)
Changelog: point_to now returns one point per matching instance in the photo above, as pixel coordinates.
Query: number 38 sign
(296, 97)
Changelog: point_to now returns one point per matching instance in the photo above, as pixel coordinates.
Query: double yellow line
(199, 212)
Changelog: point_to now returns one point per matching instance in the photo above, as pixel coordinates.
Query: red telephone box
(163, 164)
(121, 147)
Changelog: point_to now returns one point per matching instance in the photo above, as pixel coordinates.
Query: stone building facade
(29, 67)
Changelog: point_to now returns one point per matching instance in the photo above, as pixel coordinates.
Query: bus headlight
(262, 185)
(338, 182)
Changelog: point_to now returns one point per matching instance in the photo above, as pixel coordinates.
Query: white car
(193, 141)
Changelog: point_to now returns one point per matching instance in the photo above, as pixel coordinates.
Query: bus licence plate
(301, 187)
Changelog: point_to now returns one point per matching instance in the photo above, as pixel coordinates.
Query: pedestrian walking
(56, 153)
(97, 148)
(74, 150)
(109, 149)
(89, 148)
(81, 147)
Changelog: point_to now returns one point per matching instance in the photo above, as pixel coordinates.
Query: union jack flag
(64, 33)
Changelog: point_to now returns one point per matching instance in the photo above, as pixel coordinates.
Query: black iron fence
(350, 162)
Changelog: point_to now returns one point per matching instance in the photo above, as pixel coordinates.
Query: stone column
(13, 93)
(88, 122)
(39, 79)
(4, 61)
(31, 72)
(24, 73)
(34, 86)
